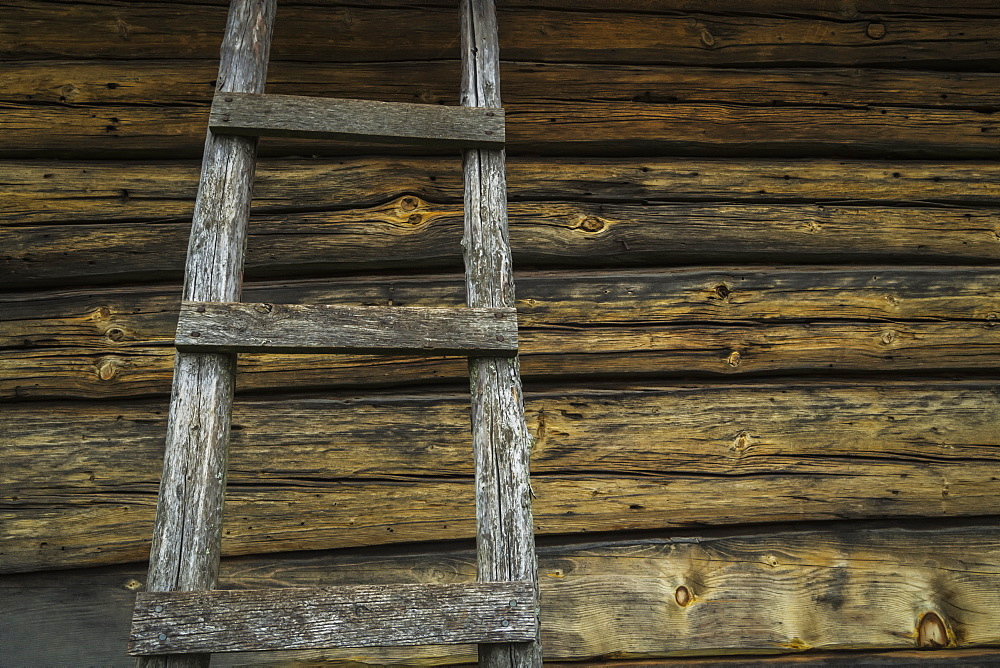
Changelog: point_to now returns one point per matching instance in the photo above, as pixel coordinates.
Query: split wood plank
(320, 617)
(308, 472)
(332, 118)
(787, 596)
(45, 192)
(408, 233)
(928, 38)
(291, 328)
(501, 444)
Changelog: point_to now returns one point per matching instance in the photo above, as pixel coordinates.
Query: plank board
(308, 472)
(320, 617)
(366, 120)
(292, 328)
(799, 594)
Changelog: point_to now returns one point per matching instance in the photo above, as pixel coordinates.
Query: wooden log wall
(756, 251)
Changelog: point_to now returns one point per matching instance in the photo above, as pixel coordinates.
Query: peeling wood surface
(309, 472)
(867, 590)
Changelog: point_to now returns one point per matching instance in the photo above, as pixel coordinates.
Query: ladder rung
(334, 118)
(295, 328)
(316, 617)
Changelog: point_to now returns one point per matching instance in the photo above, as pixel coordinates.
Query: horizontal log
(155, 30)
(365, 120)
(631, 128)
(117, 83)
(43, 192)
(319, 617)
(386, 330)
(409, 233)
(792, 597)
(117, 343)
(306, 473)
(572, 352)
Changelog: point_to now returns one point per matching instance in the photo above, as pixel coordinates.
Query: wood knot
(734, 359)
(106, 369)
(408, 203)
(263, 308)
(133, 585)
(875, 30)
(414, 219)
(115, 334)
(707, 38)
(683, 596)
(722, 291)
(591, 224)
(932, 632)
(887, 337)
(102, 313)
(741, 442)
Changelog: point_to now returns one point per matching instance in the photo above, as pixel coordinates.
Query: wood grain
(789, 597)
(501, 444)
(627, 128)
(154, 30)
(409, 233)
(187, 533)
(320, 617)
(572, 352)
(310, 472)
(44, 192)
(119, 84)
(365, 120)
(294, 328)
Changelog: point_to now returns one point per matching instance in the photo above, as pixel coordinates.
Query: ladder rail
(187, 533)
(505, 539)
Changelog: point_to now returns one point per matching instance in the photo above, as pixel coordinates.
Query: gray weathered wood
(316, 617)
(505, 538)
(295, 328)
(187, 533)
(333, 118)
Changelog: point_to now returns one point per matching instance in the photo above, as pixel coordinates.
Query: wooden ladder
(180, 620)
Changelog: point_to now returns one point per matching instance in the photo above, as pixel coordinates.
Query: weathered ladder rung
(334, 118)
(317, 617)
(295, 328)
